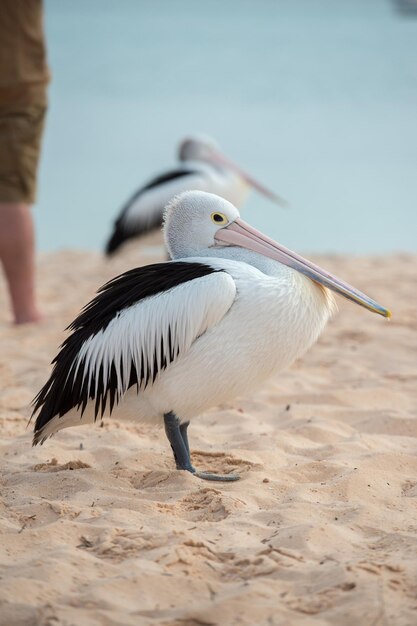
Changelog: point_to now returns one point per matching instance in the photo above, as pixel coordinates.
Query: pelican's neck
(235, 253)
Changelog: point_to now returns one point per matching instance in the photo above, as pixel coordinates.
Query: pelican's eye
(219, 218)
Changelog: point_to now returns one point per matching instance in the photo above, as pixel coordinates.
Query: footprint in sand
(204, 505)
(118, 544)
(54, 466)
(409, 489)
(220, 463)
(207, 505)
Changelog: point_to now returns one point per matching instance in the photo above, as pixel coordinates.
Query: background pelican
(201, 166)
(167, 341)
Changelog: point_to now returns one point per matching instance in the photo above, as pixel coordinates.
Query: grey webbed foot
(178, 438)
(227, 478)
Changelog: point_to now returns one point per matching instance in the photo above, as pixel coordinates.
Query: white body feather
(235, 328)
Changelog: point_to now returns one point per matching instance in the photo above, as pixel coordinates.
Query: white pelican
(202, 166)
(167, 341)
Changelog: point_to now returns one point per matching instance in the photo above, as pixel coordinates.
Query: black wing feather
(65, 389)
(120, 233)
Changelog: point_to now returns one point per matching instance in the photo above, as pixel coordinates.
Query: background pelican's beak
(223, 160)
(239, 233)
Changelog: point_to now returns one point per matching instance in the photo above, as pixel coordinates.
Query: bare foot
(28, 317)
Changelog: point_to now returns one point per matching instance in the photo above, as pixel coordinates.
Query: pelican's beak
(239, 233)
(226, 162)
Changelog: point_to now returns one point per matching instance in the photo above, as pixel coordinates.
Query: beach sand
(98, 528)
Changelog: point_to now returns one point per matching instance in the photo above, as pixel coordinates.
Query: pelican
(202, 166)
(167, 341)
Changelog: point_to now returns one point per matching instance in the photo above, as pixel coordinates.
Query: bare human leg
(17, 254)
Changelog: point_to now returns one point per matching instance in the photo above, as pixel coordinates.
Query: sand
(98, 528)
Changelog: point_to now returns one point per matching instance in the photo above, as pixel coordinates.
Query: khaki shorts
(20, 142)
(24, 76)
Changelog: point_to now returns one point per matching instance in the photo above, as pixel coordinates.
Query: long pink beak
(239, 233)
(225, 161)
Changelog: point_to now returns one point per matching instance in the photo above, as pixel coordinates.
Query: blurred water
(317, 98)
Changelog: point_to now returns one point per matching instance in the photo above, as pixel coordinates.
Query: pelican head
(196, 221)
(197, 148)
(202, 148)
(192, 221)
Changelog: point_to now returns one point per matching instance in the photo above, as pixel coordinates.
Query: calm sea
(317, 98)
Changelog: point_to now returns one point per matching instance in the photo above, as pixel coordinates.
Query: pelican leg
(178, 438)
(175, 438)
(184, 434)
